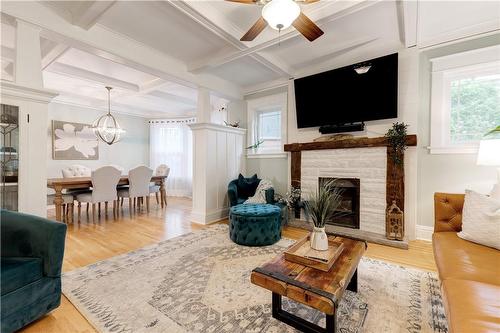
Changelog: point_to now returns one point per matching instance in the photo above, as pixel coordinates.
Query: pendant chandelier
(106, 128)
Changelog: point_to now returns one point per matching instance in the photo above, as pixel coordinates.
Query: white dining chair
(104, 181)
(73, 171)
(76, 171)
(138, 179)
(161, 170)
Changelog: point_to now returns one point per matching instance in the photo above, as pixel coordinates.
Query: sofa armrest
(232, 193)
(448, 212)
(270, 196)
(26, 235)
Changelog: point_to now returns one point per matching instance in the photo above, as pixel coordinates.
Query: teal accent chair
(239, 190)
(255, 224)
(31, 260)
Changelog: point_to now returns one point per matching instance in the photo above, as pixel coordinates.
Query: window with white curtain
(171, 144)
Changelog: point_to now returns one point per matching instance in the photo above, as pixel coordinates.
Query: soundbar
(341, 128)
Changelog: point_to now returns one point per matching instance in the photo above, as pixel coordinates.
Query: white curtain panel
(171, 143)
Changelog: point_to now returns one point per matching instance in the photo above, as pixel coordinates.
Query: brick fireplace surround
(367, 159)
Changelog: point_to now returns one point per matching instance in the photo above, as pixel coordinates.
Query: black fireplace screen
(347, 215)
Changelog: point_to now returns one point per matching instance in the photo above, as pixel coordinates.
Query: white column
(28, 94)
(28, 65)
(203, 107)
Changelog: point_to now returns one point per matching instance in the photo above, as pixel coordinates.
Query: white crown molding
(30, 94)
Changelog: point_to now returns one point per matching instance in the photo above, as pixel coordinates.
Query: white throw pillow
(481, 220)
(260, 192)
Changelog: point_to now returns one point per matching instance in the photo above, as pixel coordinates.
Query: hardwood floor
(88, 242)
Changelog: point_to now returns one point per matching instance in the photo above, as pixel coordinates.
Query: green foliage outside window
(475, 108)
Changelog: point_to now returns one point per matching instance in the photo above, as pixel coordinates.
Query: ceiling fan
(279, 15)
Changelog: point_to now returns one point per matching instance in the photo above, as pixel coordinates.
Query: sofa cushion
(481, 220)
(472, 306)
(247, 186)
(18, 272)
(460, 259)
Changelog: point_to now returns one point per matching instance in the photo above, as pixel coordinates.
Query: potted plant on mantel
(321, 207)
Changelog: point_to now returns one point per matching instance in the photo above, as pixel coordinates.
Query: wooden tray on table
(302, 253)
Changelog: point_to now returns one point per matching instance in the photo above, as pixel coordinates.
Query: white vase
(319, 240)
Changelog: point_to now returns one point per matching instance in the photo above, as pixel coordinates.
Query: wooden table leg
(163, 196)
(58, 202)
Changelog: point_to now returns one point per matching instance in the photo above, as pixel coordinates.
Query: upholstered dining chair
(104, 181)
(138, 179)
(73, 171)
(76, 171)
(161, 170)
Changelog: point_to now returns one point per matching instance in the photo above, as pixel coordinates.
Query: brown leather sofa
(469, 272)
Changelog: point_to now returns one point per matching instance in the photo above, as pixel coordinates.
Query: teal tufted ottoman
(255, 224)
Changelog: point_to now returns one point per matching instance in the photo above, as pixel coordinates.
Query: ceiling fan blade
(306, 2)
(255, 30)
(307, 27)
(248, 2)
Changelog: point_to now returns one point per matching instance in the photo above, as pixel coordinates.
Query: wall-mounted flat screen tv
(356, 93)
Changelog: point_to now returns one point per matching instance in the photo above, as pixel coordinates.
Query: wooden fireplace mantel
(411, 140)
(395, 173)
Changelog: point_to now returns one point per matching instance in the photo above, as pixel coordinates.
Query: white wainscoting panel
(218, 158)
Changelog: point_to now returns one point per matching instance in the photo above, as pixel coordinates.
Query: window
(475, 108)
(267, 126)
(465, 101)
(170, 143)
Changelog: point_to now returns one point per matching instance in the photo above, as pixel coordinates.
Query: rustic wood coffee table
(315, 288)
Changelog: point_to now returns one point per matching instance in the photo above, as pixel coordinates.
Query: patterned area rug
(200, 282)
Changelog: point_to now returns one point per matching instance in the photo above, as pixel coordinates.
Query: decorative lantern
(394, 223)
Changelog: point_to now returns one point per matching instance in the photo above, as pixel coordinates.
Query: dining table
(61, 184)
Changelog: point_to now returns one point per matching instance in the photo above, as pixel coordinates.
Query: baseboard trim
(210, 217)
(424, 232)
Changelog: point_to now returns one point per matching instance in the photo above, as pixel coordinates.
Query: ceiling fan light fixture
(280, 14)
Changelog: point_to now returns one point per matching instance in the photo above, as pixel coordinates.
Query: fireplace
(347, 215)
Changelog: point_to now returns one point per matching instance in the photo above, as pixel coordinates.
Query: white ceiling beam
(222, 59)
(83, 14)
(8, 54)
(109, 45)
(172, 97)
(79, 73)
(269, 61)
(260, 87)
(73, 99)
(407, 22)
(53, 54)
(87, 16)
(151, 85)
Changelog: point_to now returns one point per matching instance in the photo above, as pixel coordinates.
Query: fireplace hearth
(347, 215)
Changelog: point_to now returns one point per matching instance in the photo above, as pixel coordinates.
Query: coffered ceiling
(161, 51)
